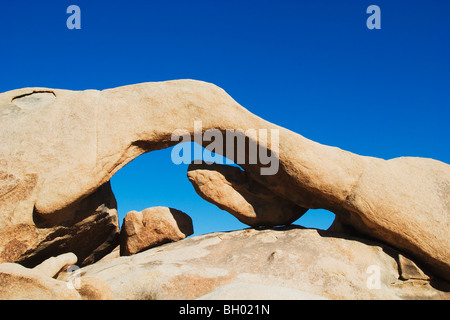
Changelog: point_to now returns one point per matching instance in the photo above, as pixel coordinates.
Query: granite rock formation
(64, 146)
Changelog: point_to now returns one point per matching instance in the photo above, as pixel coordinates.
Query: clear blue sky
(310, 66)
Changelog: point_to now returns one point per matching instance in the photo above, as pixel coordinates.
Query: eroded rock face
(62, 147)
(288, 263)
(89, 228)
(230, 189)
(153, 227)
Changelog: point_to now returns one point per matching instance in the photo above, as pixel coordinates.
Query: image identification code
(226, 309)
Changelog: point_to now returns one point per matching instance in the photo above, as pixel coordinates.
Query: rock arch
(76, 143)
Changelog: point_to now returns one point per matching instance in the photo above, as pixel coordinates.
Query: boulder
(153, 227)
(229, 188)
(288, 263)
(20, 283)
(62, 146)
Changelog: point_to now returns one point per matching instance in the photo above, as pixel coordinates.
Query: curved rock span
(62, 146)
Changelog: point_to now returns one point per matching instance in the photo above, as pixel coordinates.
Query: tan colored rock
(88, 228)
(54, 265)
(41, 283)
(153, 227)
(422, 290)
(409, 270)
(113, 254)
(62, 148)
(230, 189)
(253, 291)
(92, 288)
(20, 283)
(293, 263)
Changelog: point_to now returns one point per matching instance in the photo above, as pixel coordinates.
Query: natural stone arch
(75, 144)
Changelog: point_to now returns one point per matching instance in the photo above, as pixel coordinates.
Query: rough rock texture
(88, 228)
(230, 189)
(409, 270)
(63, 145)
(20, 283)
(289, 263)
(153, 227)
(38, 283)
(92, 288)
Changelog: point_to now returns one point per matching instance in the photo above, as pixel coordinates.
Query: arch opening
(316, 219)
(153, 179)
